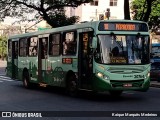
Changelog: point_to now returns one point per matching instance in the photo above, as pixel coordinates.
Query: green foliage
(58, 19)
(50, 10)
(140, 8)
(3, 47)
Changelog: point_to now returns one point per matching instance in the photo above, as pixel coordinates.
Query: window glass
(155, 51)
(122, 49)
(69, 43)
(113, 3)
(33, 46)
(23, 47)
(94, 3)
(9, 48)
(44, 48)
(55, 44)
(16, 49)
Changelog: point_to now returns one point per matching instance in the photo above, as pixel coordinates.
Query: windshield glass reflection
(122, 49)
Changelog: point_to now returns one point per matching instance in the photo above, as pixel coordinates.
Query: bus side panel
(9, 67)
(55, 73)
(9, 59)
(22, 63)
(33, 69)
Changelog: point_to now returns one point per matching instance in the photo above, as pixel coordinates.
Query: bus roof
(70, 27)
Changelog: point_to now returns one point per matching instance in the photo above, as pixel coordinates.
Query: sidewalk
(3, 65)
(155, 84)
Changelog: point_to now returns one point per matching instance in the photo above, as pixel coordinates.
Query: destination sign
(118, 60)
(122, 26)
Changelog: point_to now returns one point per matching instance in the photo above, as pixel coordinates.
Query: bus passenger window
(69, 44)
(23, 47)
(54, 42)
(33, 46)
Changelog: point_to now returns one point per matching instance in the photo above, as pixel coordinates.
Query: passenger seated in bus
(69, 48)
(115, 51)
(65, 47)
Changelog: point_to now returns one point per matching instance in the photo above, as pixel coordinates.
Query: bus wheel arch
(71, 84)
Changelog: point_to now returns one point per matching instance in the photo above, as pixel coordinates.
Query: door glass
(44, 50)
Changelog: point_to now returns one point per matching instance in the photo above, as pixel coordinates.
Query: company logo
(6, 114)
(127, 76)
(20, 114)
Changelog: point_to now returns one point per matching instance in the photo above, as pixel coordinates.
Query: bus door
(85, 60)
(14, 59)
(42, 58)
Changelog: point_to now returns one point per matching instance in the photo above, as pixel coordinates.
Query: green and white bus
(108, 55)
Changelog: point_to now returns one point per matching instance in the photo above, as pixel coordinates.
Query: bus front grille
(125, 70)
(121, 83)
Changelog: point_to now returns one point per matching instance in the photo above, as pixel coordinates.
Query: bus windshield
(122, 49)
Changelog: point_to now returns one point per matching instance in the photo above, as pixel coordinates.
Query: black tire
(116, 93)
(26, 82)
(71, 86)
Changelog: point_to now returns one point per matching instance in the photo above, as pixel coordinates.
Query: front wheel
(71, 86)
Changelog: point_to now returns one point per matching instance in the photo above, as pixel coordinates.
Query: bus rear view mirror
(94, 42)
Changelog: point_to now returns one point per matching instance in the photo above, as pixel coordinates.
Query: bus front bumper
(125, 85)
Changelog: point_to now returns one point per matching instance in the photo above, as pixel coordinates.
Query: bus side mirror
(94, 42)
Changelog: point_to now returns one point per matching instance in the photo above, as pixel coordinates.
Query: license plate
(127, 85)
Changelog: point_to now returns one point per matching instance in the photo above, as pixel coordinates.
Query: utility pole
(96, 14)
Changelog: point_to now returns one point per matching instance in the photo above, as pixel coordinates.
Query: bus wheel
(116, 93)
(26, 82)
(72, 89)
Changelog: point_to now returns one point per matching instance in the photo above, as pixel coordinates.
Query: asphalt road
(14, 97)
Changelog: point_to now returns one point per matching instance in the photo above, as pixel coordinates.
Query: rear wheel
(71, 87)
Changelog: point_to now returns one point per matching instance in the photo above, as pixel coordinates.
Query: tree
(126, 10)
(148, 11)
(3, 47)
(53, 11)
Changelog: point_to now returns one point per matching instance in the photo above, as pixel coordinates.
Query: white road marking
(4, 78)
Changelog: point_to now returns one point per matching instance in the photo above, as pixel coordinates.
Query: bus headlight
(106, 77)
(148, 75)
(101, 75)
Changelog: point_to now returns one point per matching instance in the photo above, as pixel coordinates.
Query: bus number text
(138, 76)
